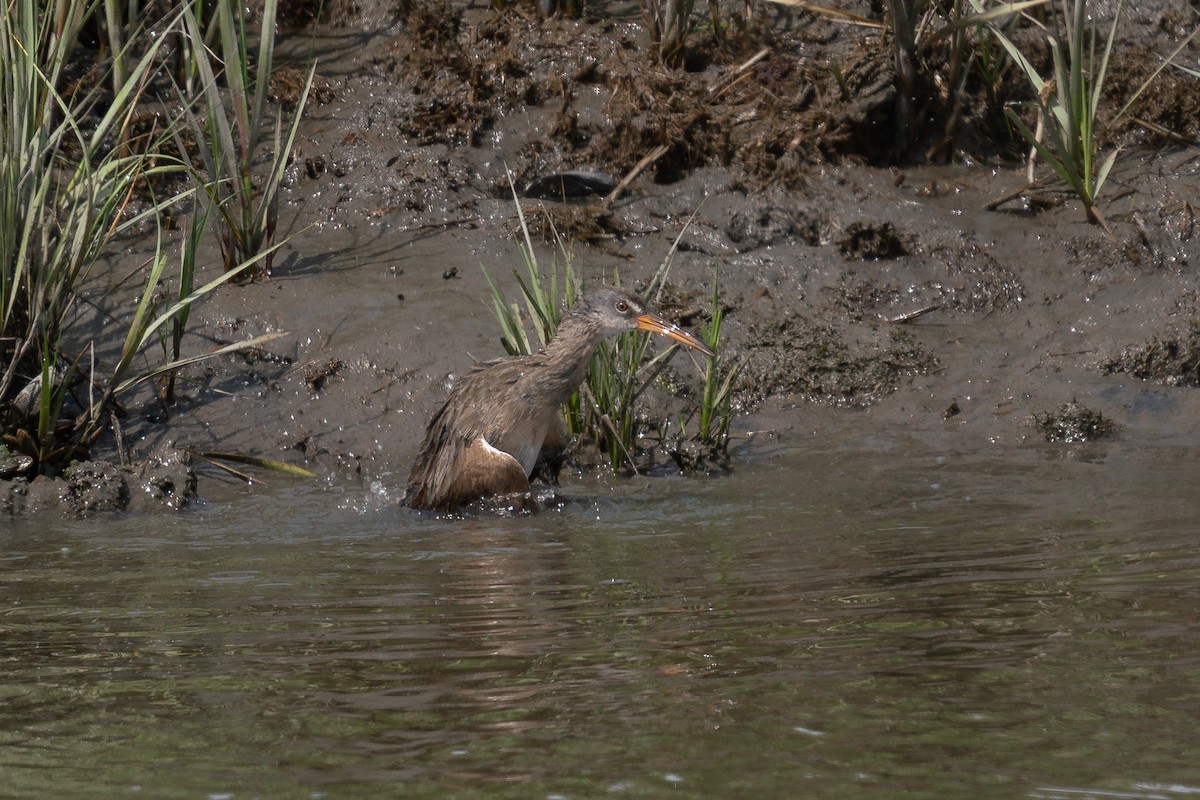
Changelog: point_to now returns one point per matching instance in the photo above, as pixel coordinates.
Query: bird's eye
(622, 306)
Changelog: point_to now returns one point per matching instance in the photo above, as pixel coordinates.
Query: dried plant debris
(1074, 423)
(318, 373)
(1173, 360)
(288, 82)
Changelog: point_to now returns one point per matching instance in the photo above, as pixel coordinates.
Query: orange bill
(656, 324)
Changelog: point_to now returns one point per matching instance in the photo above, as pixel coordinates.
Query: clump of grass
(151, 324)
(709, 442)
(930, 80)
(669, 22)
(544, 298)
(243, 207)
(1068, 101)
(618, 376)
(606, 409)
(716, 404)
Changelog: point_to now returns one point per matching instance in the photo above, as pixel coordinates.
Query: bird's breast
(523, 441)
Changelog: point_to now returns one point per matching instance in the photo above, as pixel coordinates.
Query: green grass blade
(271, 464)
(178, 364)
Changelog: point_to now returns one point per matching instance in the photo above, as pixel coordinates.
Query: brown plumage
(485, 440)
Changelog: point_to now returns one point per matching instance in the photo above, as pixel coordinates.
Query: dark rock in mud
(1073, 423)
(87, 488)
(570, 185)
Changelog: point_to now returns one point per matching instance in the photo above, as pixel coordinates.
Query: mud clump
(164, 481)
(600, 98)
(1170, 102)
(792, 356)
(1073, 423)
(460, 71)
(869, 241)
(287, 84)
(317, 373)
(458, 78)
(768, 224)
(963, 278)
(1170, 360)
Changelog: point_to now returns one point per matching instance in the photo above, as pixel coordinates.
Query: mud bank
(866, 302)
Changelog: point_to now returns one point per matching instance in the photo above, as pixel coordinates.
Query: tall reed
(230, 132)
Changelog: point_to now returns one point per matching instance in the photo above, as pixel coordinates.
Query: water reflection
(820, 624)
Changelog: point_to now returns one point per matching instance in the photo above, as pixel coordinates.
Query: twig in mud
(1185, 160)
(739, 79)
(216, 458)
(911, 315)
(1005, 406)
(730, 80)
(1123, 193)
(1156, 255)
(835, 14)
(241, 476)
(647, 160)
(1178, 138)
(992, 205)
(447, 223)
(1188, 226)
(365, 400)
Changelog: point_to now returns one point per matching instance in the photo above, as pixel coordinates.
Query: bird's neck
(572, 348)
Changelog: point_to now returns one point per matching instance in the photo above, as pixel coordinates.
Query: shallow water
(874, 620)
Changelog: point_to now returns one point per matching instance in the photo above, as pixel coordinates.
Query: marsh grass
(620, 373)
(64, 189)
(544, 298)
(150, 324)
(918, 29)
(934, 50)
(70, 164)
(670, 22)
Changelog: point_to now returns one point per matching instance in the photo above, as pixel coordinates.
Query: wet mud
(866, 291)
(165, 481)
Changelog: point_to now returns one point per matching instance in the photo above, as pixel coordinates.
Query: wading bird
(485, 440)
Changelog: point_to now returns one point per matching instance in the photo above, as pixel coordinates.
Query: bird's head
(615, 310)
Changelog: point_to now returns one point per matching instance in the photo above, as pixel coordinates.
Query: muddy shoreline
(865, 302)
